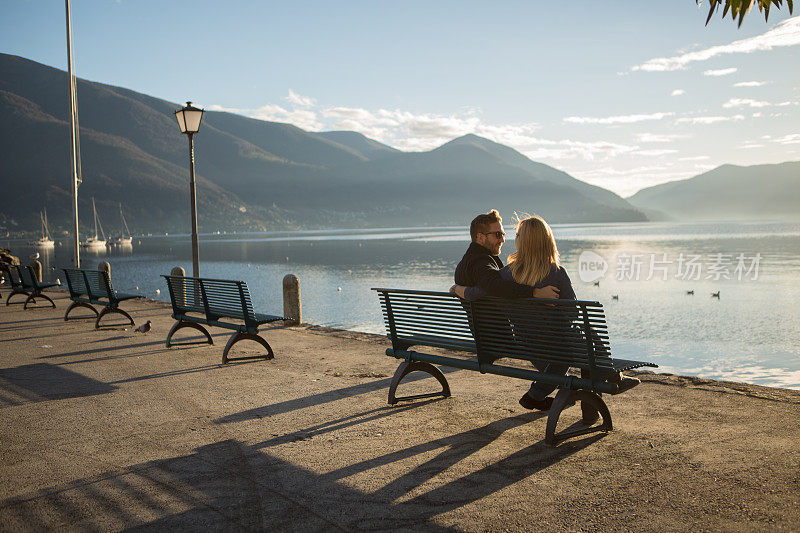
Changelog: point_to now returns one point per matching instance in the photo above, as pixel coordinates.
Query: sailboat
(95, 242)
(45, 241)
(122, 240)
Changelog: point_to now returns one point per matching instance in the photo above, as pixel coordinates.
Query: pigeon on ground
(144, 328)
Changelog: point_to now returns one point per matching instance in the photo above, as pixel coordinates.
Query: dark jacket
(557, 277)
(478, 268)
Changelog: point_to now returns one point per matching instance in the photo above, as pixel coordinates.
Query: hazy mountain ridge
(729, 192)
(254, 174)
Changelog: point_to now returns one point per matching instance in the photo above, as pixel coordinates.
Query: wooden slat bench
(198, 301)
(93, 287)
(32, 286)
(567, 332)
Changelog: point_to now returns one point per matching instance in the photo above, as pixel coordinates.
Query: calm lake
(749, 333)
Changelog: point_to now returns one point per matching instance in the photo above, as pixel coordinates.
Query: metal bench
(32, 286)
(15, 282)
(567, 332)
(215, 299)
(93, 287)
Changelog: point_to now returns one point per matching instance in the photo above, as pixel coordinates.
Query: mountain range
(728, 192)
(254, 174)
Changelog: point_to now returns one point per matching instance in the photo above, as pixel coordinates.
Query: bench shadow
(223, 486)
(42, 381)
(228, 485)
(322, 398)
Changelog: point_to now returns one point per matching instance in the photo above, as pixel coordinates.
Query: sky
(618, 94)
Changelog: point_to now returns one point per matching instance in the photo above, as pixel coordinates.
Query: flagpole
(73, 104)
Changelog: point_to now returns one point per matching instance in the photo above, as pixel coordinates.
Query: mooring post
(37, 270)
(180, 290)
(291, 299)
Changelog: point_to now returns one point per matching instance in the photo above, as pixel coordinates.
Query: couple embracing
(532, 271)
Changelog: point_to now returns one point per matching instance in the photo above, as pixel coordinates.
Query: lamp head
(189, 118)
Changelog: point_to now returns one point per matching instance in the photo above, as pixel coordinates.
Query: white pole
(73, 138)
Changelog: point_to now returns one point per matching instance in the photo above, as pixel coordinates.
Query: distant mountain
(728, 191)
(363, 145)
(253, 174)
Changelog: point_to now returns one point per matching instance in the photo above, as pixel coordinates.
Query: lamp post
(189, 118)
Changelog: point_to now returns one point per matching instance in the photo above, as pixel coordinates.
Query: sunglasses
(497, 234)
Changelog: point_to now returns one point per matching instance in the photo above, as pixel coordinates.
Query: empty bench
(567, 332)
(88, 288)
(30, 285)
(198, 301)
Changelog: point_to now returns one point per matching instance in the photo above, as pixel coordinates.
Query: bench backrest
(27, 277)
(13, 276)
(214, 298)
(531, 329)
(426, 318)
(76, 283)
(98, 284)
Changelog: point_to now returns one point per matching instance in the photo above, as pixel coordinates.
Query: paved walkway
(109, 430)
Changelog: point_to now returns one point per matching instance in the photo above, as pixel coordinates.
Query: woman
(535, 263)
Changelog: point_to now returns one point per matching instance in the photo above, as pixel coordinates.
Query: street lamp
(189, 118)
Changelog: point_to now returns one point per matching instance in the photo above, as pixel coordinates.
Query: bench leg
(12, 294)
(75, 305)
(32, 299)
(240, 336)
(591, 405)
(405, 368)
(180, 325)
(108, 310)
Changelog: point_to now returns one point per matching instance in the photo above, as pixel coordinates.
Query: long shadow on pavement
(229, 486)
(43, 381)
(323, 397)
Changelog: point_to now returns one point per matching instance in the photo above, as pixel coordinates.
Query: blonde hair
(536, 251)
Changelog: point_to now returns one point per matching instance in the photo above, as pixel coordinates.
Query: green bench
(32, 286)
(88, 288)
(566, 332)
(198, 301)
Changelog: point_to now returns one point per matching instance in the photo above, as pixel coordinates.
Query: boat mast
(125, 224)
(73, 110)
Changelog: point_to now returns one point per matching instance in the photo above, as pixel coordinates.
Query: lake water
(748, 334)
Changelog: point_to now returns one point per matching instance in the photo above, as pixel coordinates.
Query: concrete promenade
(108, 430)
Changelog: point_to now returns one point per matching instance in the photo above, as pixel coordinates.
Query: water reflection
(748, 333)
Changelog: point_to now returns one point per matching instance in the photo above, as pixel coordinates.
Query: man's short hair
(481, 223)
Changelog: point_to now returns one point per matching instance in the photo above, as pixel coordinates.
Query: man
(481, 264)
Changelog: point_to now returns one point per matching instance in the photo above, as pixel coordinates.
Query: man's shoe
(529, 403)
(624, 383)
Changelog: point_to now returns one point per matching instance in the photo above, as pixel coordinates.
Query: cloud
(658, 137)
(793, 138)
(695, 158)
(708, 120)
(720, 72)
(677, 92)
(750, 84)
(569, 149)
(786, 33)
(744, 102)
(655, 153)
(751, 145)
(619, 119)
(302, 101)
